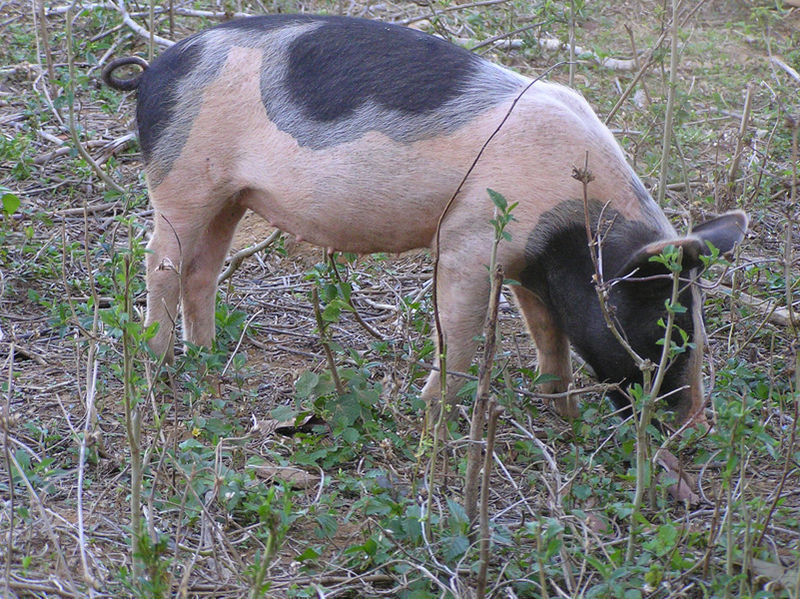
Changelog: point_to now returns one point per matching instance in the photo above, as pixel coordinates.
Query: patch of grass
(367, 517)
(16, 152)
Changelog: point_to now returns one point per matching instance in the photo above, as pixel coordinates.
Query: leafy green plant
(11, 202)
(351, 416)
(155, 578)
(276, 514)
(16, 150)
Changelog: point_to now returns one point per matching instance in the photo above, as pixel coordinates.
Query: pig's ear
(640, 265)
(723, 232)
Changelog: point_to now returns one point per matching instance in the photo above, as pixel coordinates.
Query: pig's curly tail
(126, 85)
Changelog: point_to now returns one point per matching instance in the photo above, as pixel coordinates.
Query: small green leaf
(454, 547)
(309, 554)
(11, 203)
(284, 413)
(332, 312)
(457, 512)
(498, 199)
(350, 435)
(306, 383)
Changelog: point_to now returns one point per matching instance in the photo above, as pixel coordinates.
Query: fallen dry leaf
(287, 428)
(296, 477)
(772, 576)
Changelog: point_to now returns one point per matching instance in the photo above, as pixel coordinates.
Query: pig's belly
(367, 196)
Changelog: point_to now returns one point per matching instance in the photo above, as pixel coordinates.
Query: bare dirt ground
(232, 498)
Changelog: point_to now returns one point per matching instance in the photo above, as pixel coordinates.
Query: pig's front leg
(552, 347)
(463, 298)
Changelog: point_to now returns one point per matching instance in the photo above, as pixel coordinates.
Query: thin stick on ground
(503, 36)
(440, 11)
(323, 337)
(645, 67)
(635, 53)
(73, 128)
(494, 413)
(737, 155)
(91, 386)
(151, 44)
(133, 426)
(788, 248)
(5, 423)
(235, 261)
(479, 408)
(138, 29)
(43, 38)
(571, 43)
(672, 86)
(349, 300)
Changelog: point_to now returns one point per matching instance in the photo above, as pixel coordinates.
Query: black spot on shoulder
(158, 91)
(335, 68)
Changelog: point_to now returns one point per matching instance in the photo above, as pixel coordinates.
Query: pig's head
(560, 271)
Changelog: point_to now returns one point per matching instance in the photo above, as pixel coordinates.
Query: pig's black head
(560, 271)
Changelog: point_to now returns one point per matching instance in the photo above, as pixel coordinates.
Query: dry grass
(58, 539)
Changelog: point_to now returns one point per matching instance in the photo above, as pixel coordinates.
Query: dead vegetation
(244, 491)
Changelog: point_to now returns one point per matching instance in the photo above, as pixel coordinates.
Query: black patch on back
(160, 96)
(559, 270)
(261, 23)
(314, 73)
(158, 91)
(336, 68)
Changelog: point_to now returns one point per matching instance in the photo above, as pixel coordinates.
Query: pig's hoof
(567, 408)
(682, 485)
(700, 424)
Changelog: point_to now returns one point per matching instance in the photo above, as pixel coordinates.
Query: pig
(354, 135)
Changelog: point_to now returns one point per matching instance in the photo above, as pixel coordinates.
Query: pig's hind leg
(163, 283)
(201, 270)
(552, 348)
(186, 253)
